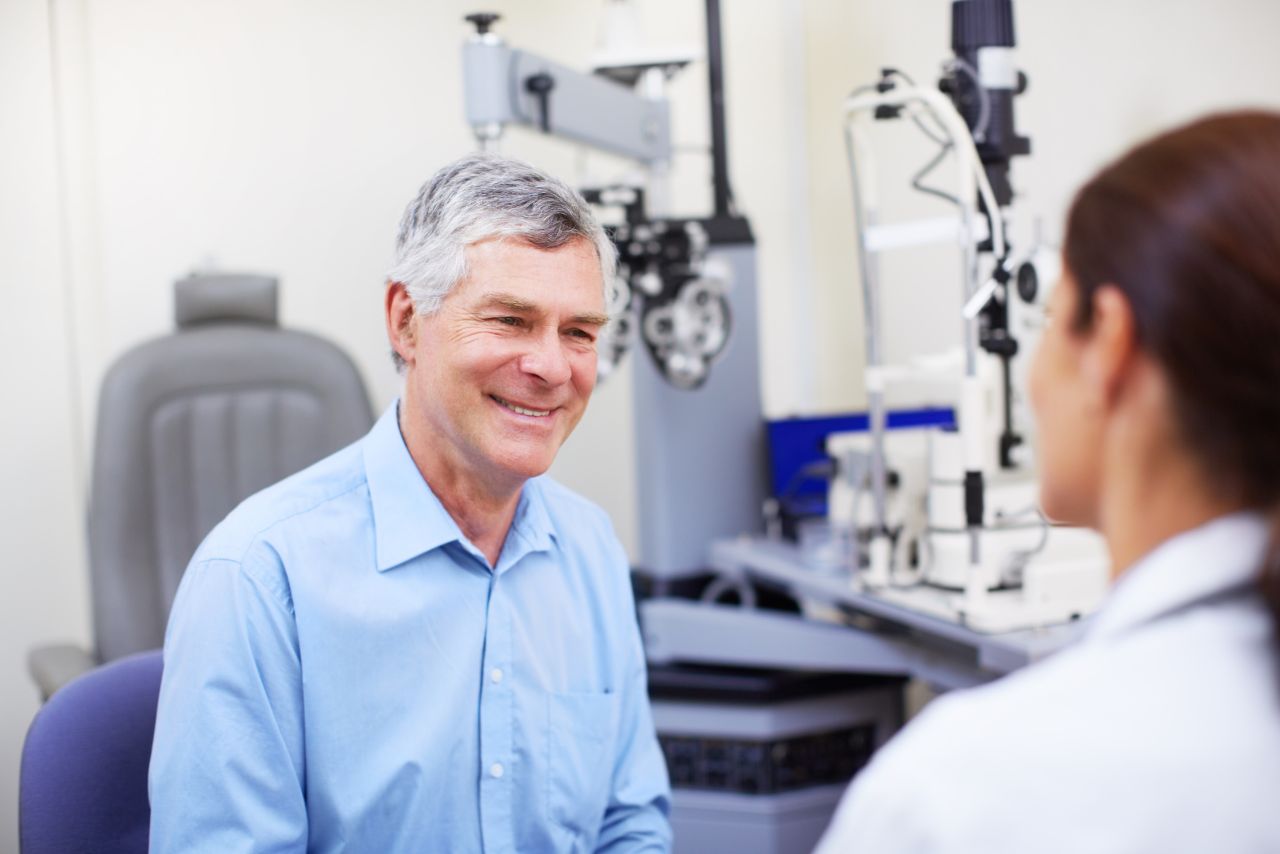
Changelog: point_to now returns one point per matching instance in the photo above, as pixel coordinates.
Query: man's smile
(522, 410)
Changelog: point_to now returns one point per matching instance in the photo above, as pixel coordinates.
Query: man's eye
(581, 334)
(508, 321)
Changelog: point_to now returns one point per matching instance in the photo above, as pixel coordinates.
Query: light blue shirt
(344, 672)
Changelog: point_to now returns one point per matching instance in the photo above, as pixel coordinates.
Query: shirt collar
(532, 522)
(1189, 568)
(408, 518)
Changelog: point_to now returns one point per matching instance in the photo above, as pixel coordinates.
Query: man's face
(499, 376)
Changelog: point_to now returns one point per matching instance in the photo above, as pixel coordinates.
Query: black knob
(1028, 282)
(540, 85)
(482, 21)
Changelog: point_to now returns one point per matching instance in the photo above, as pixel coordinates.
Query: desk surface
(779, 564)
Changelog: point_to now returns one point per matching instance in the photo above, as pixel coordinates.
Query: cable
(936, 135)
(984, 99)
(917, 180)
(1026, 554)
(979, 131)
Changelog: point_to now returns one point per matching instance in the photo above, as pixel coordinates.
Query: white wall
(42, 583)
(286, 137)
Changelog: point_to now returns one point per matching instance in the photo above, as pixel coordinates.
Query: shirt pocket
(581, 730)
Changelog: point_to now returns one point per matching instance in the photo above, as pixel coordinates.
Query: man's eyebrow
(590, 319)
(515, 304)
(509, 302)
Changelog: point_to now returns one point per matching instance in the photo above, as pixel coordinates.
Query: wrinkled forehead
(519, 272)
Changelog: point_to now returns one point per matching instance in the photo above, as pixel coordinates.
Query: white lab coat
(1158, 732)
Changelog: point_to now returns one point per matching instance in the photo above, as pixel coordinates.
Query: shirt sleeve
(227, 765)
(640, 801)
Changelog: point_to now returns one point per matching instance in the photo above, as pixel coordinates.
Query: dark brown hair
(1187, 226)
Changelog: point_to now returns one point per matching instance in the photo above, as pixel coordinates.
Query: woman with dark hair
(1157, 393)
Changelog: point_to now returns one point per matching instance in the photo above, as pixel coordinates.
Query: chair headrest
(225, 298)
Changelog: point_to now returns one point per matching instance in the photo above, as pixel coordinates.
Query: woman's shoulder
(1113, 738)
(1093, 749)
(1210, 669)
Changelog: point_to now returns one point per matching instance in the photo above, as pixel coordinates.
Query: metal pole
(715, 82)
(863, 220)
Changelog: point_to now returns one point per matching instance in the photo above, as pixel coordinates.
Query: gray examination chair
(189, 425)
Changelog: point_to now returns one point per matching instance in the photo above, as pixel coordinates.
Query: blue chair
(83, 785)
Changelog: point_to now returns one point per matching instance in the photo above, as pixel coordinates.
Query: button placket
(496, 748)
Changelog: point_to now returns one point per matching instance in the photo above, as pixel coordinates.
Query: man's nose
(547, 358)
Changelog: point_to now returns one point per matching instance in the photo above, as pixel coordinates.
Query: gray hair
(481, 197)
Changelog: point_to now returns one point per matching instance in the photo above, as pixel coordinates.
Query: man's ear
(401, 330)
(1112, 344)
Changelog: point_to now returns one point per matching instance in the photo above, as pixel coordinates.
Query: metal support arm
(585, 108)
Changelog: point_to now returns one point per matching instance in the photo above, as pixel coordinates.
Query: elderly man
(420, 644)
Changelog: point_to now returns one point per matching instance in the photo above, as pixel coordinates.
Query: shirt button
(496, 675)
(495, 770)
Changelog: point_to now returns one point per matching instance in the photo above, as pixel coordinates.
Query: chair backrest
(191, 424)
(83, 784)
